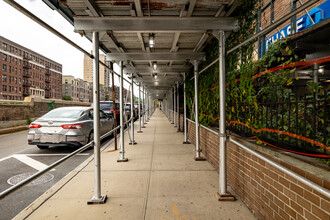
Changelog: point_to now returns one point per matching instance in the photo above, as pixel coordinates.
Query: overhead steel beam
(175, 40)
(141, 41)
(132, 10)
(175, 68)
(154, 24)
(219, 11)
(201, 41)
(93, 8)
(138, 8)
(192, 4)
(114, 41)
(155, 56)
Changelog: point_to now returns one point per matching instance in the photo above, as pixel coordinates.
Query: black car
(107, 107)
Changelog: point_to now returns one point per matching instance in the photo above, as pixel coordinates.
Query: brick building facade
(27, 73)
(80, 90)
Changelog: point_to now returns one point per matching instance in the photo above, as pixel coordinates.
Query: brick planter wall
(268, 192)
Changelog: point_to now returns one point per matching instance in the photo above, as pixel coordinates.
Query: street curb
(13, 129)
(25, 213)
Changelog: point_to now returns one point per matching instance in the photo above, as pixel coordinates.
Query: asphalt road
(19, 158)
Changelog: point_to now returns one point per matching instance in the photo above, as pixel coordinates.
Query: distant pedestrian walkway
(161, 181)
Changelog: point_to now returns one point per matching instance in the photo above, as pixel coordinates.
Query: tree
(67, 98)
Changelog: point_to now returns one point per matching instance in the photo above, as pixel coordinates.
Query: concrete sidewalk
(161, 181)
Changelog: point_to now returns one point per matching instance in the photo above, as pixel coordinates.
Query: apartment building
(26, 73)
(88, 71)
(80, 90)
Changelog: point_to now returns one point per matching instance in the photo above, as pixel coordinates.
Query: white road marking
(37, 155)
(30, 162)
(5, 158)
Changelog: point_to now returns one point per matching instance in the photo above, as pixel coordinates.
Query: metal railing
(306, 116)
(50, 167)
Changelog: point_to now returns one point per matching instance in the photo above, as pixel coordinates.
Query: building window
(4, 78)
(19, 81)
(4, 47)
(15, 80)
(4, 67)
(20, 90)
(4, 57)
(15, 89)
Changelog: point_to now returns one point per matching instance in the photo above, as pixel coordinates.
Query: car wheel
(42, 147)
(90, 136)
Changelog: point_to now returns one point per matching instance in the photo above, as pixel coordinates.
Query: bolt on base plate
(140, 131)
(226, 197)
(179, 130)
(101, 200)
(186, 142)
(122, 160)
(134, 143)
(199, 158)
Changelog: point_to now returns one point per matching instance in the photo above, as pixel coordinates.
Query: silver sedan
(67, 126)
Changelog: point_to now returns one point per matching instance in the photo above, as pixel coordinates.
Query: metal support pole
(185, 111)
(121, 112)
(115, 120)
(144, 107)
(178, 105)
(132, 111)
(174, 107)
(97, 198)
(139, 131)
(222, 194)
(198, 150)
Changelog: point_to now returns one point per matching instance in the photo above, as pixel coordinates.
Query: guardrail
(50, 167)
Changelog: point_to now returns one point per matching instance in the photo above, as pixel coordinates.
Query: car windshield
(63, 113)
(106, 106)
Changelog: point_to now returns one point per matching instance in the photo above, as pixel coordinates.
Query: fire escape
(47, 82)
(26, 76)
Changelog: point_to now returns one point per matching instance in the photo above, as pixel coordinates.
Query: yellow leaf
(255, 105)
(232, 109)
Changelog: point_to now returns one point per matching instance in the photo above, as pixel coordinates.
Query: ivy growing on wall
(249, 87)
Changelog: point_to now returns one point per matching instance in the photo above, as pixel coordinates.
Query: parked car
(107, 107)
(67, 126)
(128, 111)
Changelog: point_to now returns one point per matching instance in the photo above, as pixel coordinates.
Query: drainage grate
(20, 177)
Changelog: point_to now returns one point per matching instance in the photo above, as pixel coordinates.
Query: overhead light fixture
(155, 75)
(154, 65)
(151, 40)
(321, 69)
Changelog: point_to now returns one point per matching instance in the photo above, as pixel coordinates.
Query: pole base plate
(101, 200)
(226, 197)
(199, 158)
(179, 130)
(139, 132)
(172, 123)
(134, 143)
(186, 142)
(144, 127)
(122, 160)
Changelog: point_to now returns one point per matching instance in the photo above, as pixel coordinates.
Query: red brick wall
(268, 192)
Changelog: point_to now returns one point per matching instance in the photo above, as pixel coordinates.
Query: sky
(22, 30)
